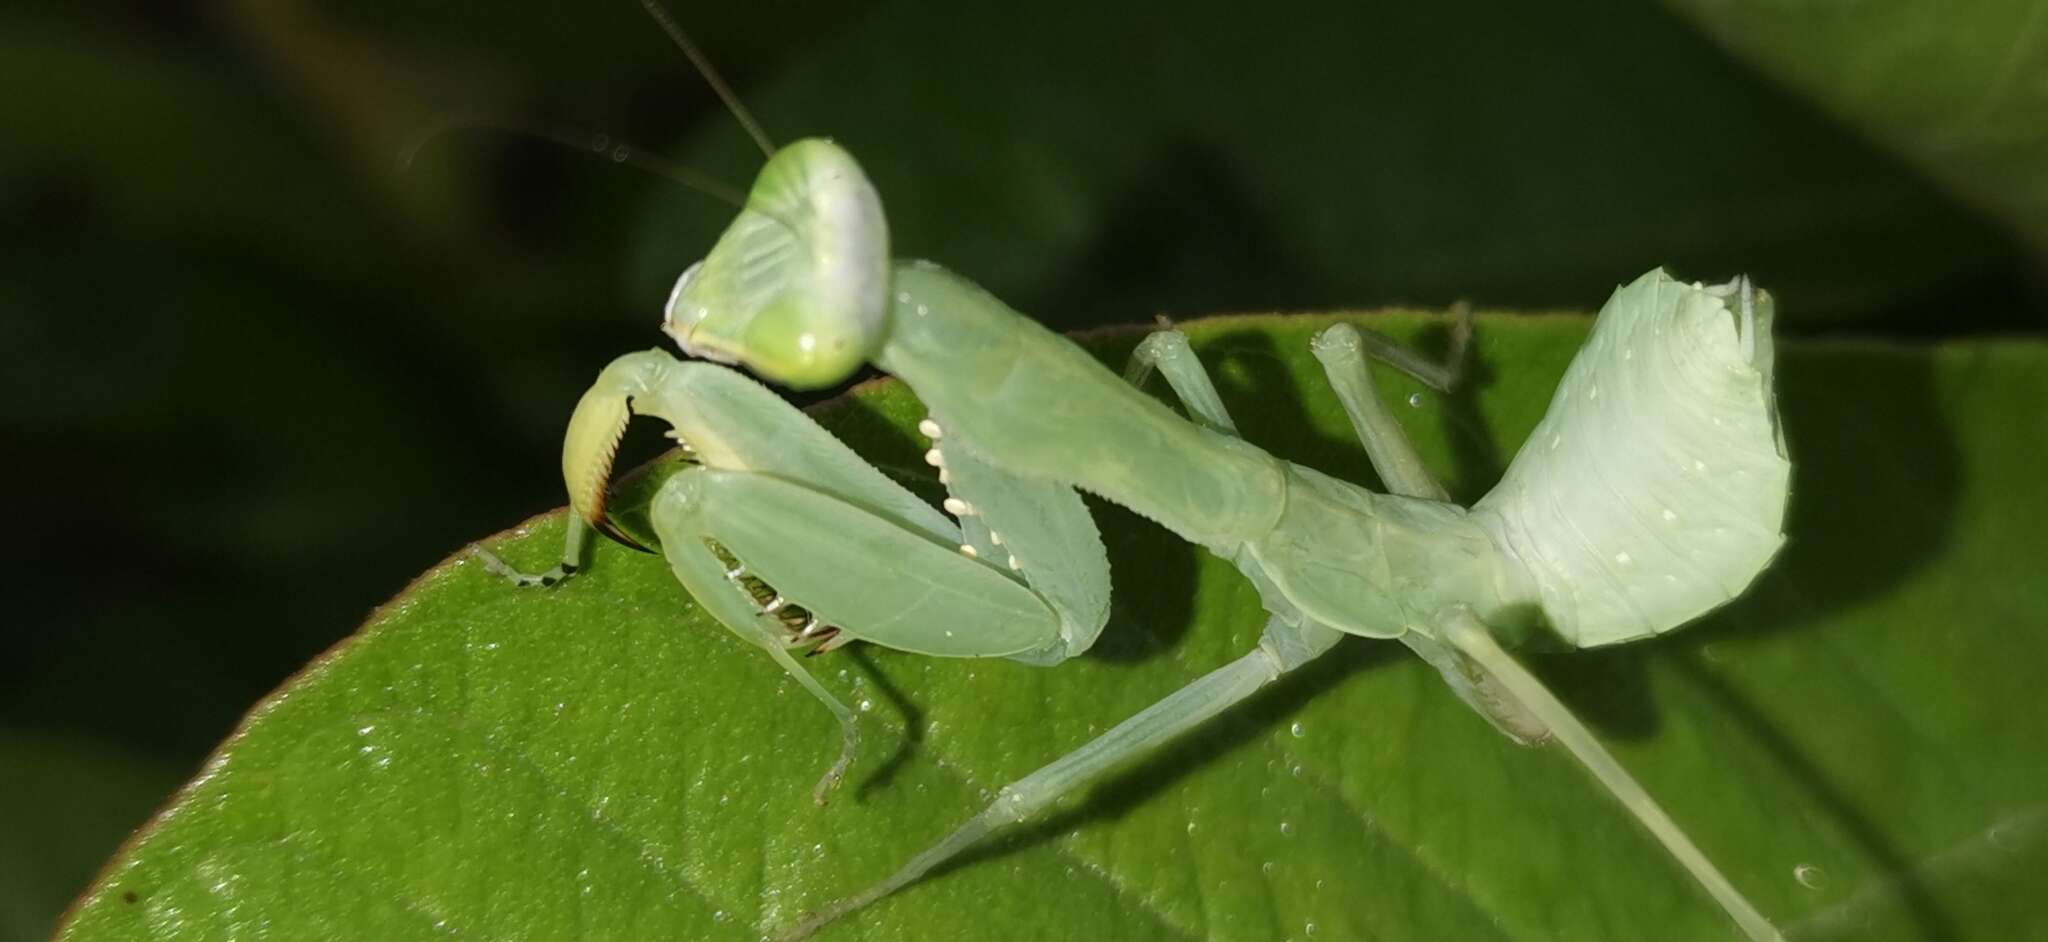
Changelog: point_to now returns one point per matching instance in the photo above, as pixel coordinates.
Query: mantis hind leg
(1150, 728)
(1471, 639)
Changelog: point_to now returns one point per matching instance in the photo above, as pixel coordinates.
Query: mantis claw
(588, 449)
(821, 793)
(605, 526)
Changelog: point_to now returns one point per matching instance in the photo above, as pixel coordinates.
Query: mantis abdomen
(1654, 489)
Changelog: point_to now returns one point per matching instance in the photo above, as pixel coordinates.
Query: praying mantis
(1653, 491)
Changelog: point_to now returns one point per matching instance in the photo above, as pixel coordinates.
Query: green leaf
(1856, 742)
(1959, 90)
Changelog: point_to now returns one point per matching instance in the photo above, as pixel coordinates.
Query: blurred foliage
(1959, 89)
(260, 374)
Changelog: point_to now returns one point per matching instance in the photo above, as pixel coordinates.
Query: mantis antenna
(711, 76)
(587, 142)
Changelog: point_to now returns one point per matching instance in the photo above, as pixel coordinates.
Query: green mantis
(1653, 491)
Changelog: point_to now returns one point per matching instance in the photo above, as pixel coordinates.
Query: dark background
(257, 373)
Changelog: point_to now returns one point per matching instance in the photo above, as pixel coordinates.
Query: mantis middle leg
(1167, 350)
(1342, 350)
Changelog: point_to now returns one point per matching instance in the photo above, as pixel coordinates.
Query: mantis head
(797, 288)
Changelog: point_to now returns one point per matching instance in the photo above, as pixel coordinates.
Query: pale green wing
(1654, 488)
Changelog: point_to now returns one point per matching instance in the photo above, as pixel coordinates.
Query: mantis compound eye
(675, 294)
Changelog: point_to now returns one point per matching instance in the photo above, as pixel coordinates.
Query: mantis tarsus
(1653, 491)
